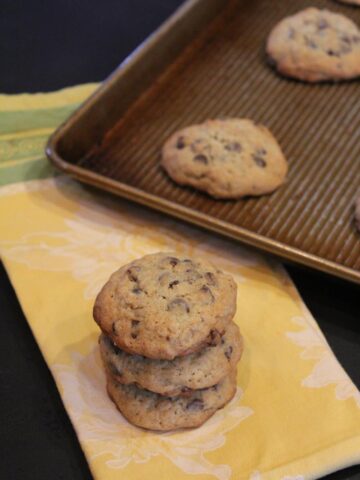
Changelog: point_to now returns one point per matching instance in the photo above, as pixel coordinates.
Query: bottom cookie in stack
(169, 394)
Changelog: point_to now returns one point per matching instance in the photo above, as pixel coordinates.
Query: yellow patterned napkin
(296, 414)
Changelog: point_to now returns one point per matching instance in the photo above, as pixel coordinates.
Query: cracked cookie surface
(165, 305)
(228, 158)
(180, 376)
(315, 45)
(153, 411)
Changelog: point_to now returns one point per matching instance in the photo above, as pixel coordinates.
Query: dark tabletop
(46, 45)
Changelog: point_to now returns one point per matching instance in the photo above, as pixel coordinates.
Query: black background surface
(46, 45)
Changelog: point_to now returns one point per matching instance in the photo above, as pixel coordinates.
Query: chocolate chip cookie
(180, 376)
(166, 305)
(228, 158)
(316, 45)
(156, 412)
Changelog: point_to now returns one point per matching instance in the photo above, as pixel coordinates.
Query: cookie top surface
(316, 45)
(165, 305)
(179, 376)
(156, 412)
(227, 158)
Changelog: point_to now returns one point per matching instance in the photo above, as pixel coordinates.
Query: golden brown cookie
(165, 305)
(156, 412)
(228, 158)
(179, 376)
(316, 45)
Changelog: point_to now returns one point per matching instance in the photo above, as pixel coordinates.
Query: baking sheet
(220, 70)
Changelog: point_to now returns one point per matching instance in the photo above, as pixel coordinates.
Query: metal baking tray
(208, 61)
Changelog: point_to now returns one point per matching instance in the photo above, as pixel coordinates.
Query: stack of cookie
(168, 345)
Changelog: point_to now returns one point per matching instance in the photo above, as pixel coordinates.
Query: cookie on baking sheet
(165, 305)
(315, 45)
(228, 158)
(357, 212)
(156, 412)
(179, 376)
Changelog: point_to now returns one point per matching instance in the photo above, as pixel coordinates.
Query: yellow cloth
(296, 414)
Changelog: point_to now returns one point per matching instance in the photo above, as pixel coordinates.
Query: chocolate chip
(134, 335)
(136, 290)
(180, 144)
(186, 392)
(116, 349)
(228, 352)
(201, 158)
(134, 323)
(172, 284)
(132, 273)
(210, 278)
(209, 295)
(205, 289)
(214, 338)
(196, 404)
(173, 261)
(259, 161)
(178, 304)
(322, 23)
(233, 147)
(332, 53)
